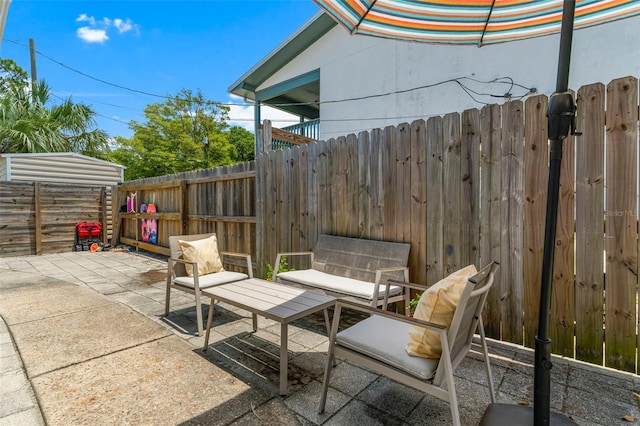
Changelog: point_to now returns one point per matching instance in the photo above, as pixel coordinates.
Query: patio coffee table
(278, 302)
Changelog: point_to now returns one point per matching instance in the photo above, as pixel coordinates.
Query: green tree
(30, 122)
(243, 142)
(186, 132)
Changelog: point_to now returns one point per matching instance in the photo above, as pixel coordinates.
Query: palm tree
(29, 123)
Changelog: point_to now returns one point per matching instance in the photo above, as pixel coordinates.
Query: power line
(457, 80)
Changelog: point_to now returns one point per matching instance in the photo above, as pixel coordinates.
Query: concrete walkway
(83, 341)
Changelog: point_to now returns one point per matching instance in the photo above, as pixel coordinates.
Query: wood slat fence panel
(41, 217)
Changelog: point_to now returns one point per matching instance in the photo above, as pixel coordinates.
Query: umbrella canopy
(478, 22)
(482, 22)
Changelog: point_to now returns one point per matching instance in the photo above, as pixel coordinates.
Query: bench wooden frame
(370, 261)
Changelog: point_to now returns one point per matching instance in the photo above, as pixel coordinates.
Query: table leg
(283, 358)
(327, 322)
(209, 319)
(255, 322)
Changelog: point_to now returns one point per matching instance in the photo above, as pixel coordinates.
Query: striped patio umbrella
(482, 22)
(476, 22)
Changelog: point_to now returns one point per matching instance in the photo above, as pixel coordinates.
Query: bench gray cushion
(210, 280)
(365, 337)
(335, 283)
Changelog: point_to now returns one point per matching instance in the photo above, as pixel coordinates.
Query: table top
(279, 302)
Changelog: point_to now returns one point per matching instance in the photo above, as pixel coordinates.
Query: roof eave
(295, 44)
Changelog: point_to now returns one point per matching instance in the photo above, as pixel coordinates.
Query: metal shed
(61, 167)
(44, 196)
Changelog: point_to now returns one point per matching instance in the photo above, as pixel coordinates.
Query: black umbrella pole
(561, 113)
(542, 375)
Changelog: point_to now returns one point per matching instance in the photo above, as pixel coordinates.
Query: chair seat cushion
(210, 280)
(335, 283)
(364, 337)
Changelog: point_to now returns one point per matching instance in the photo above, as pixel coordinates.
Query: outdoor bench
(352, 268)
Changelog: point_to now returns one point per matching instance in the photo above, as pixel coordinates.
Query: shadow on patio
(91, 356)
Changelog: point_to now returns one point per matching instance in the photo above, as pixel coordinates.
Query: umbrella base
(517, 415)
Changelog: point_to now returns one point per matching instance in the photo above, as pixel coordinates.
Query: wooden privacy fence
(462, 188)
(40, 218)
(220, 200)
(471, 188)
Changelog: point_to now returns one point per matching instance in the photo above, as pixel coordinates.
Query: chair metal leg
(209, 320)
(330, 357)
(487, 364)
(448, 372)
(327, 322)
(167, 297)
(198, 313)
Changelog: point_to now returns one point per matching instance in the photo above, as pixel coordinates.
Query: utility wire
(456, 80)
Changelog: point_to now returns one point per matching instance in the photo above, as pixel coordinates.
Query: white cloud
(123, 26)
(96, 30)
(84, 18)
(91, 35)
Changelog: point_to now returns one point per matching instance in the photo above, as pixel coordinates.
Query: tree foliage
(186, 132)
(30, 122)
(244, 143)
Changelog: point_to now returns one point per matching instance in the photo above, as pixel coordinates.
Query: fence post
(184, 206)
(103, 212)
(38, 217)
(116, 220)
(264, 137)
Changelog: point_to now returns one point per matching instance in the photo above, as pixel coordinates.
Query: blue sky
(156, 47)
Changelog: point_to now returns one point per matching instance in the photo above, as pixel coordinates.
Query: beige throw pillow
(204, 252)
(438, 305)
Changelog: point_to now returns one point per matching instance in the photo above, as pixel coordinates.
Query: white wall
(357, 66)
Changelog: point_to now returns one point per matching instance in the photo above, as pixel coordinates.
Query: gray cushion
(385, 339)
(349, 286)
(210, 280)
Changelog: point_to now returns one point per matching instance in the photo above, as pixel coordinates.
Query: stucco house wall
(356, 70)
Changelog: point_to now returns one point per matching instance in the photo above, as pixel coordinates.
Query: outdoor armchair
(195, 264)
(360, 343)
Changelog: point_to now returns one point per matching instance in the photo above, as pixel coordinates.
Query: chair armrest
(404, 284)
(340, 303)
(186, 262)
(241, 255)
(290, 253)
(379, 272)
(173, 260)
(407, 284)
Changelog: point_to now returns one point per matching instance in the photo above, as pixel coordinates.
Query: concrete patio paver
(92, 346)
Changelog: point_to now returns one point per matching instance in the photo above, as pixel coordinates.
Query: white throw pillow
(204, 252)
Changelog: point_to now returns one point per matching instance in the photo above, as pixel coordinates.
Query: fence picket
(470, 153)
(418, 199)
(490, 209)
(452, 187)
(562, 324)
(435, 201)
(621, 223)
(536, 163)
(512, 216)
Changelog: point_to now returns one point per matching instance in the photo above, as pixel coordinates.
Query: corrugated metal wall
(60, 167)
